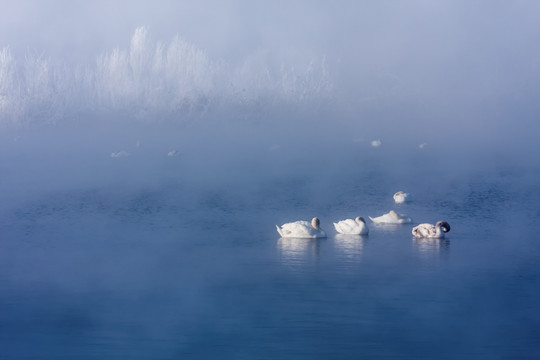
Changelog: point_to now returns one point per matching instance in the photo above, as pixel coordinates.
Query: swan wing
(404, 219)
(386, 218)
(377, 219)
(392, 218)
(426, 231)
(347, 226)
(400, 197)
(300, 229)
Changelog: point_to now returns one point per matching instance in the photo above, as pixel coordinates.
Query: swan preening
(401, 196)
(357, 226)
(392, 218)
(302, 229)
(436, 231)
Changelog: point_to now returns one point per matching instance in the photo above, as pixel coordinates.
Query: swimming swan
(401, 196)
(120, 154)
(431, 231)
(352, 227)
(392, 218)
(302, 229)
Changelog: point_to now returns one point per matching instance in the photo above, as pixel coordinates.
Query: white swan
(392, 218)
(376, 143)
(431, 231)
(302, 229)
(352, 227)
(120, 154)
(401, 196)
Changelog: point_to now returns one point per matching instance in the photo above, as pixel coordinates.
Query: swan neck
(315, 223)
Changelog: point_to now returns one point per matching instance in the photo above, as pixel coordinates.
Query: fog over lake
(148, 150)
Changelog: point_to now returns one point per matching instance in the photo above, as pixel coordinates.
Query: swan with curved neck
(357, 226)
(302, 229)
(436, 231)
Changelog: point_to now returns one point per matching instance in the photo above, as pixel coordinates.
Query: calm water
(185, 265)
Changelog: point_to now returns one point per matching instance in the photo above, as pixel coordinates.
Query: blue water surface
(186, 263)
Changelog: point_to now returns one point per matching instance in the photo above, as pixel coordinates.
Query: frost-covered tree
(8, 86)
(150, 78)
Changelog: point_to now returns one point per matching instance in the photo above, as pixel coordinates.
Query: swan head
(445, 226)
(315, 223)
(360, 219)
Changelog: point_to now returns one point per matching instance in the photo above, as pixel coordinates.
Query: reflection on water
(350, 246)
(429, 247)
(298, 251)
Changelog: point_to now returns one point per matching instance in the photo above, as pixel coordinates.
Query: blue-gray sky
(387, 34)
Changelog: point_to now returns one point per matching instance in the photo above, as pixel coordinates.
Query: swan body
(376, 143)
(392, 218)
(302, 229)
(120, 154)
(352, 227)
(401, 196)
(436, 231)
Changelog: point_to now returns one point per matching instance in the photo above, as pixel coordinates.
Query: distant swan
(401, 196)
(376, 143)
(392, 218)
(352, 227)
(302, 229)
(120, 154)
(431, 231)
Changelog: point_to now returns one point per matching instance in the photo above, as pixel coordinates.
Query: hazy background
(459, 76)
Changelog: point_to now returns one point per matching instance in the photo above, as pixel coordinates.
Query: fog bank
(458, 79)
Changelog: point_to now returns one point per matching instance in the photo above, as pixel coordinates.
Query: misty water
(147, 153)
(151, 256)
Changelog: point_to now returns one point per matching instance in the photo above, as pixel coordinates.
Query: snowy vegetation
(149, 79)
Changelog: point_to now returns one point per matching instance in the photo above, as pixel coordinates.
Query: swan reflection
(298, 250)
(431, 246)
(351, 246)
(388, 228)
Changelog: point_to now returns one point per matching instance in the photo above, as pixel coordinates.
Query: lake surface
(100, 260)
